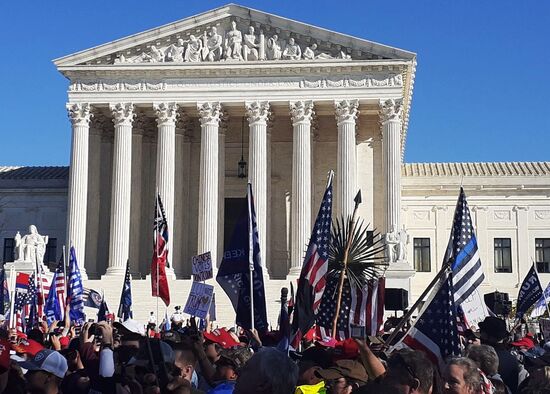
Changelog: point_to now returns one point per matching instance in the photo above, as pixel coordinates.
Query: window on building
(9, 248)
(51, 251)
(422, 261)
(503, 254)
(542, 254)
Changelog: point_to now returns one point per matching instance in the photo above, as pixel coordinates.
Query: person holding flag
(75, 290)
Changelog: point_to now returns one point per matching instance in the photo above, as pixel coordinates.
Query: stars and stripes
(54, 308)
(312, 281)
(159, 281)
(360, 306)
(435, 330)
(75, 290)
(42, 289)
(462, 253)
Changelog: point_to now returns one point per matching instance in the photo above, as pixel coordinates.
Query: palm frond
(366, 253)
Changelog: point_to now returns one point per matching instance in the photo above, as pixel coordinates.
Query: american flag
(312, 281)
(25, 299)
(435, 330)
(42, 289)
(462, 253)
(360, 306)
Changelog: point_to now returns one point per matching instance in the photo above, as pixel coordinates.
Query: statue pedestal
(399, 275)
(26, 267)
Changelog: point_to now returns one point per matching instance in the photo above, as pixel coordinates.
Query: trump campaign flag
(529, 292)
(75, 291)
(125, 306)
(236, 269)
(55, 302)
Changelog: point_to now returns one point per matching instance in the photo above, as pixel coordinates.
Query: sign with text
(200, 298)
(545, 328)
(202, 267)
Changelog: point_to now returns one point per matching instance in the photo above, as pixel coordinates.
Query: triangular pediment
(272, 38)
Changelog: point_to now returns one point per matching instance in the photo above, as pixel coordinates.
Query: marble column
(79, 114)
(258, 113)
(224, 124)
(301, 113)
(166, 165)
(119, 241)
(346, 167)
(391, 118)
(209, 113)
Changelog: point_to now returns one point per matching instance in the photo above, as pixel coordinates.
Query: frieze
(232, 42)
(368, 81)
(501, 215)
(423, 215)
(542, 214)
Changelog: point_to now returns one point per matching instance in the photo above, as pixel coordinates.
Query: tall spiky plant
(366, 254)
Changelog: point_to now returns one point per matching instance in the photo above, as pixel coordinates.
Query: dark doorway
(234, 207)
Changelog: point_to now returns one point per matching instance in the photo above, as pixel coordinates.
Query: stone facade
(172, 110)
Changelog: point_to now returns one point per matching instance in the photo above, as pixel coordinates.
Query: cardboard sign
(200, 298)
(545, 328)
(474, 309)
(202, 267)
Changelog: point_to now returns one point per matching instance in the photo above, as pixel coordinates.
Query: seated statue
(292, 50)
(31, 247)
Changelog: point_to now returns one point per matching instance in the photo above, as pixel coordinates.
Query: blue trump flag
(529, 292)
(75, 291)
(235, 270)
(54, 306)
(125, 306)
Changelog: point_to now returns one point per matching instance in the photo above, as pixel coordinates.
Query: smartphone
(357, 331)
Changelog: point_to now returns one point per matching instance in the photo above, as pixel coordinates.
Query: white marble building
(175, 108)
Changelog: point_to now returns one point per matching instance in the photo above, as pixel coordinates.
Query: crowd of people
(130, 357)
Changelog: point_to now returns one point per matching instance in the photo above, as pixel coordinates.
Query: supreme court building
(195, 108)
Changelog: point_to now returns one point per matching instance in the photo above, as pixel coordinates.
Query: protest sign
(474, 309)
(200, 297)
(202, 267)
(545, 328)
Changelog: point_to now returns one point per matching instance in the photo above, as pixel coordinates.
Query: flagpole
(12, 291)
(157, 251)
(251, 254)
(357, 200)
(543, 291)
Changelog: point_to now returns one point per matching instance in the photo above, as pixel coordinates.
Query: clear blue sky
(481, 91)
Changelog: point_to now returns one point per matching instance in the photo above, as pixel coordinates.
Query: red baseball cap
(346, 350)
(222, 337)
(524, 342)
(28, 346)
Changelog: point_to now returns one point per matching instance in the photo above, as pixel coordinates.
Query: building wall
(513, 207)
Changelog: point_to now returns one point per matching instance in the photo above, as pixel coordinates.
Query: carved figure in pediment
(233, 43)
(175, 52)
(156, 55)
(292, 50)
(212, 45)
(250, 48)
(273, 48)
(193, 52)
(311, 53)
(344, 55)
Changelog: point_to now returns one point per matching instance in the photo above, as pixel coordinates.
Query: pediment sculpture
(31, 247)
(234, 45)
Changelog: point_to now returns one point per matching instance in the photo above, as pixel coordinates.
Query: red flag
(159, 281)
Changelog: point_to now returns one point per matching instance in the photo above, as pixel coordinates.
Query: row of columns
(211, 115)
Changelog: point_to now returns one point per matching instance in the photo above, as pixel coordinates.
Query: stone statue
(273, 50)
(233, 43)
(156, 55)
(390, 240)
(31, 247)
(311, 53)
(292, 50)
(250, 48)
(402, 241)
(176, 51)
(212, 45)
(193, 51)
